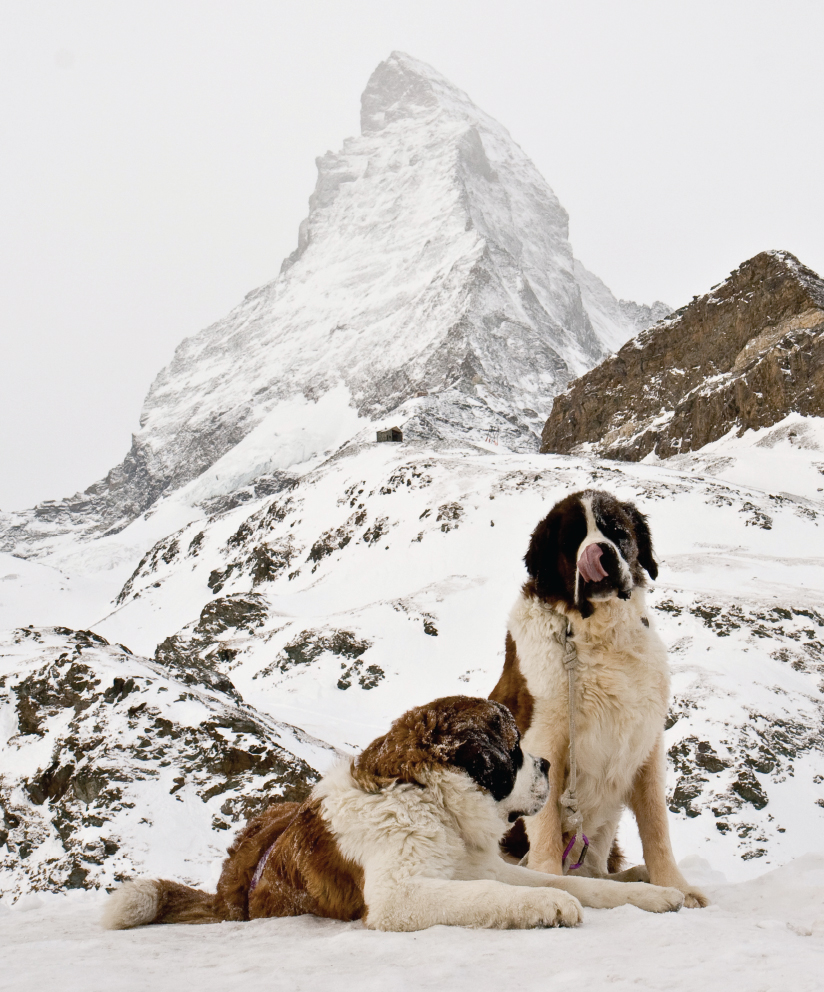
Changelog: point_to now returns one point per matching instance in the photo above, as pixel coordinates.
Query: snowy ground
(765, 935)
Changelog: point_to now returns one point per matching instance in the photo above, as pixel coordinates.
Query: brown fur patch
(245, 853)
(181, 904)
(306, 873)
(515, 842)
(512, 690)
(616, 860)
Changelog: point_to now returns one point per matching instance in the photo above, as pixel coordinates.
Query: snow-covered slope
(785, 458)
(433, 284)
(110, 762)
(383, 578)
(388, 574)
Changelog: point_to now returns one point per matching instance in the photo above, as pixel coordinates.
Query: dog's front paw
(694, 898)
(549, 908)
(655, 898)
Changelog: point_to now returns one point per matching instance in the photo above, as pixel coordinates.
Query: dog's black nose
(544, 764)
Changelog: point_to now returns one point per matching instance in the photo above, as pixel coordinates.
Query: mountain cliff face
(745, 355)
(433, 283)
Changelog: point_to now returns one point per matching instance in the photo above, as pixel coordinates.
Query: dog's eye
(616, 533)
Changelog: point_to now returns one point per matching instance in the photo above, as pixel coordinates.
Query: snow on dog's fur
(586, 561)
(404, 837)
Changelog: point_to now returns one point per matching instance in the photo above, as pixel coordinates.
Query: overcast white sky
(156, 159)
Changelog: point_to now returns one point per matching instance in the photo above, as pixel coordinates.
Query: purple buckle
(569, 847)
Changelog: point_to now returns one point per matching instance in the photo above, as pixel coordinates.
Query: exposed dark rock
(743, 356)
(309, 645)
(329, 542)
(165, 550)
(198, 654)
(367, 678)
(449, 516)
(374, 533)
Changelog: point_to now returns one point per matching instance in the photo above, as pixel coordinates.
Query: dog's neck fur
(612, 624)
(449, 801)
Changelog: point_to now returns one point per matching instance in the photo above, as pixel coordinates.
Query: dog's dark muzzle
(601, 572)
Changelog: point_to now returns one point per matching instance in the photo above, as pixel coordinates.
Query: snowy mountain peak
(433, 284)
(402, 87)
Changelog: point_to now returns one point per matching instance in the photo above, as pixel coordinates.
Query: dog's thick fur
(622, 687)
(404, 837)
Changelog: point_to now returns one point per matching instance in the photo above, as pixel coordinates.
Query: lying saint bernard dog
(586, 563)
(403, 837)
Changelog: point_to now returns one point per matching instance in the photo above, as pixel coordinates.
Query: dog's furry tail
(149, 900)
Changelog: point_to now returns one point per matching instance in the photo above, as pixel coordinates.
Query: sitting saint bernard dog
(586, 563)
(404, 837)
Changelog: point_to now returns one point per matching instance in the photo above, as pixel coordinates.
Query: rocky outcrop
(102, 749)
(743, 356)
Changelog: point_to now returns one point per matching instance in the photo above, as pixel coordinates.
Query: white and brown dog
(404, 837)
(586, 563)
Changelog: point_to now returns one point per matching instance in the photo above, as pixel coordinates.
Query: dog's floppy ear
(542, 554)
(489, 765)
(643, 539)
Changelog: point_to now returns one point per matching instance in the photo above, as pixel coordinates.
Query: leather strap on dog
(260, 866)
(569, 799)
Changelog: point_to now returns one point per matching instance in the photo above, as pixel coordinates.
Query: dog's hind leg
(245, 852)
(150, 900)
(648, 804)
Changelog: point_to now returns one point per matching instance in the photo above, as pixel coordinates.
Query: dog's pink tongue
(589, 564)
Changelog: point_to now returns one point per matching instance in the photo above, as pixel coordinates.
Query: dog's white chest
(619, 712)
(621, 697)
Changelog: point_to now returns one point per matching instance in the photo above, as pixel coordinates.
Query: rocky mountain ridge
(743, 356)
